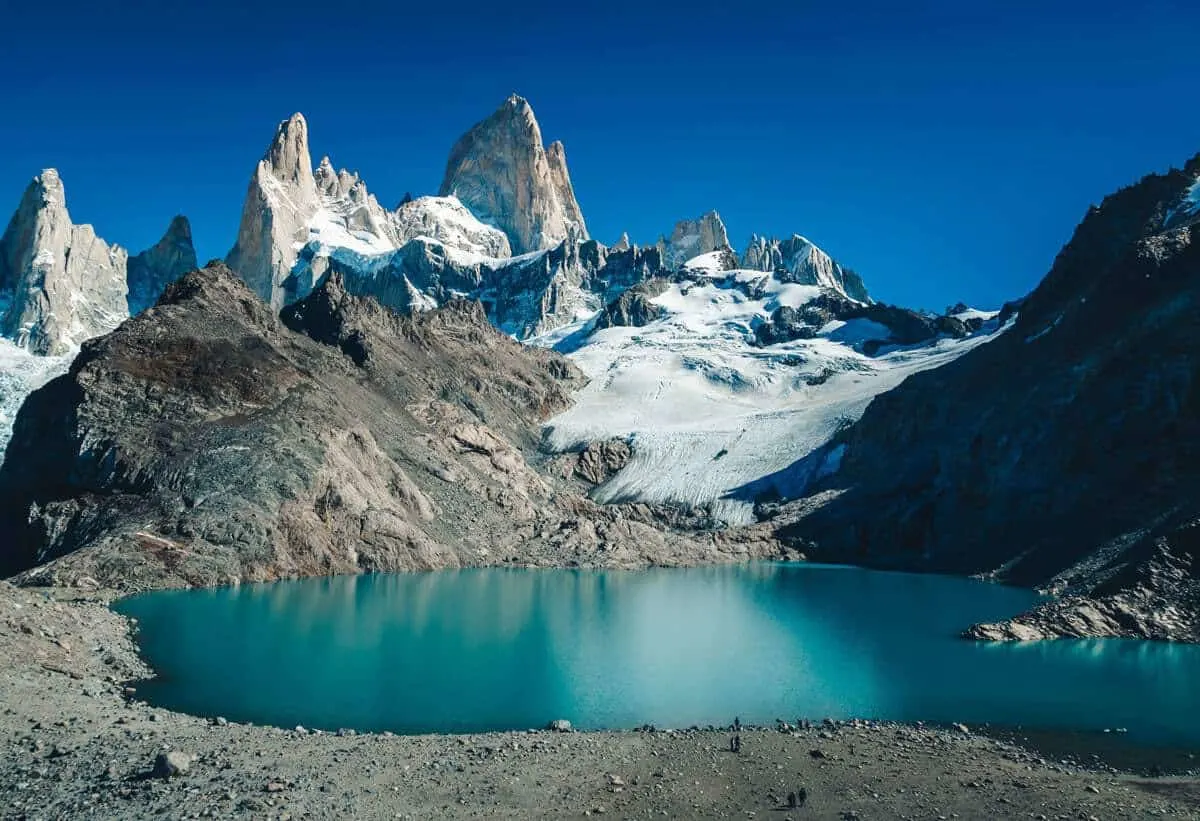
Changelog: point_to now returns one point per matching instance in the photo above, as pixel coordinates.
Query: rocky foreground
(75, 743)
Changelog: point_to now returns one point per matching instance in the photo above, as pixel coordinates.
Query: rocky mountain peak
(281, 199)
(501, 171)
(62, 284)
(799, 260)
(694, 237)
(151, 271)
(288, 157)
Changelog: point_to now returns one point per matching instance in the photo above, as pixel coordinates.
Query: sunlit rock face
(503, 174)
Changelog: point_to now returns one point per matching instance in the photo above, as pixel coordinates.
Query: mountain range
(470, 378)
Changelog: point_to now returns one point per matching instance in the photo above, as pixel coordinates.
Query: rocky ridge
(1060, 454)
(503, 194)
(798, 260)
(207, 441)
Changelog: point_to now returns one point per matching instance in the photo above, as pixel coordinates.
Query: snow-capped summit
(500, 171)
(799, 260)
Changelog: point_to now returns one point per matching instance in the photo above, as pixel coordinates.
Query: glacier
(707, 413)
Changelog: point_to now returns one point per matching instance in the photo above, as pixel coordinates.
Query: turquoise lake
(492, 649)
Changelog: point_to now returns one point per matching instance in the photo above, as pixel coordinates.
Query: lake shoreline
(76, 743)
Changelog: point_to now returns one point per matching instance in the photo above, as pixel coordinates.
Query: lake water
(491, 649)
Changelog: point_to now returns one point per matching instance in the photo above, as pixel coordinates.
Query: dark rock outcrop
(634, 308)
(904, 327)
(600, 461)
(1066, 452)
(208, 441)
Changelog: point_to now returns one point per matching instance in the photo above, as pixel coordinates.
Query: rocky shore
(77, 743)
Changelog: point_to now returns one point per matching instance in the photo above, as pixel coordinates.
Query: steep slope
(208, 441)
(500, 170)
(1063, 454)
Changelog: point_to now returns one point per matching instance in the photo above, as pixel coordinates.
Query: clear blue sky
(944, 150)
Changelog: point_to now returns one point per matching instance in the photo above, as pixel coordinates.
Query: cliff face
(1065, 453)
(280, 201)
(209, 441)
(500, 170)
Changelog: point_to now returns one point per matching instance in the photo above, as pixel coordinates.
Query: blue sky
(944, 150)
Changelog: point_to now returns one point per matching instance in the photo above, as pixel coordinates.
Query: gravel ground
(77, 744)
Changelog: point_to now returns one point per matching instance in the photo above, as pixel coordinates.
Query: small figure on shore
(797, 799)
(737, 724)
(735, 744)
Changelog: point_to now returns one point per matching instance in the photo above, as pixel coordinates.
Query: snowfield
(708, 413)
(21, 373)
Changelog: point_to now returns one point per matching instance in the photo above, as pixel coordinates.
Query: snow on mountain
(448, 221)
(707, 412)
(967, 314)
(800, 260)
(21, 373)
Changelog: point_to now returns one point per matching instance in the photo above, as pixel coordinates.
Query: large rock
(1066, 452)
(59, 283)
(500, 170)
(151, 271)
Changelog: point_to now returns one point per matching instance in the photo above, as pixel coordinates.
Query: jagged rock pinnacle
(501, 171)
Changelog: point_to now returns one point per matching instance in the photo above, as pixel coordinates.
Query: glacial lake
(500, 649)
